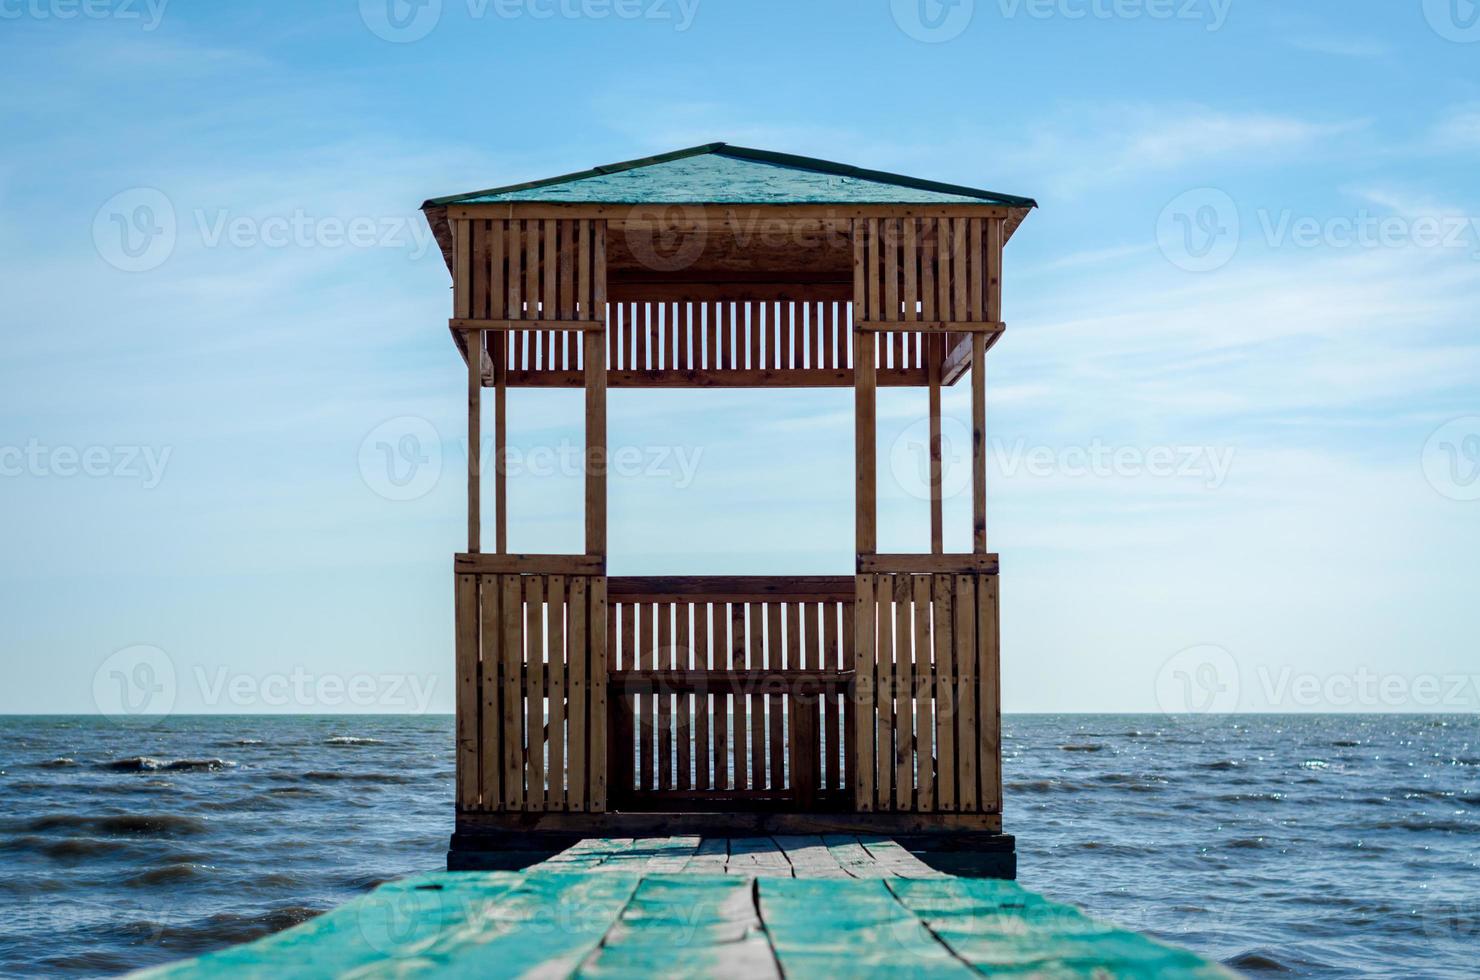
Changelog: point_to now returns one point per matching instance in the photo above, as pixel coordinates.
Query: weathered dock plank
(741, 907)
(686, 925)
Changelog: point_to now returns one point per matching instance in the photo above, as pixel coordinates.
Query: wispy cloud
(1341, 47)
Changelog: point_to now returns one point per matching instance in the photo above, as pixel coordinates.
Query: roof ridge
(770, 157)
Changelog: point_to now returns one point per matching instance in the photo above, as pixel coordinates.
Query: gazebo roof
(718, 173)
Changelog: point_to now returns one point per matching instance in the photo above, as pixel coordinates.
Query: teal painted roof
(718, 173)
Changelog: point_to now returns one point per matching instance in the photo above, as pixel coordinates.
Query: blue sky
(1251, 292)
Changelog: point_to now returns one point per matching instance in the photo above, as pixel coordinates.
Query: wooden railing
(731, 693)
(868, 693)
(927, 690)
(531, 698)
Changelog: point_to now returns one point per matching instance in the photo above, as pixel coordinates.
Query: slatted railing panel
(542, 270)
(729, 699)
(531, 668)
(927, 664)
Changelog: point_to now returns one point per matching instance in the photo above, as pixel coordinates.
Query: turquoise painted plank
(450, 925)
(686, 926)
(821, 927)
(1003, 929)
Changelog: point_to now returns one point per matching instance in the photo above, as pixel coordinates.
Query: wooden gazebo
(596, 706)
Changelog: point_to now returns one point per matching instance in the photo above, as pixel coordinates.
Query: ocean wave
(120, 825)
(351, 740)
(244, 741)
(334, 776)
(144, 763)
(1257, 961)
(1087, 747)
(60, 762)
(167, 874)
(1222, 765)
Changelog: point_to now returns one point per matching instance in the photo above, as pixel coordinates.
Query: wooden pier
(756, 907)
(593, 706)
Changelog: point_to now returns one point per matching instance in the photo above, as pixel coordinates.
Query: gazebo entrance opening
(595, 705)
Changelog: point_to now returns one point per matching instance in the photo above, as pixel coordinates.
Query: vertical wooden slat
(685, 708)
(532, 275)
(777, 705)
(945, 695)
(514, 249)
(490, 756)
(884, 754)
(479, 307)
(462, 278)
(720, 641)
(848, 730)
(989, 703)
(827, 649)
(639, 336)
(865, 625)
(755, 328)
(631, 661)
(681, 319)
(754, 659)
(578, 672)
(467, 691)
(566, 272)
(893, 235)
(964, 607)
(704, 712)
(975, 271)
(904, 697)
(647, 727)
(596, 719)
(959, 284)
(585, 309)
(657, 335)
(555, 631)
(943, 284)
(550, 264)
(802, 712)
(911, 260)
(797, 313)
(534, 691)
(777, 335)
(778, 654)
(874, 308)
(739, 659)
(513, 710)
(924, 695)
(671, 312)
(993, 274)
(664, 611)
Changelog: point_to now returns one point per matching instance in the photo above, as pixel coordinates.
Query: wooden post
(500, 346)
(595, 359)
(475, 438)
(935, 356)
(979, 443)
(865, 380)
